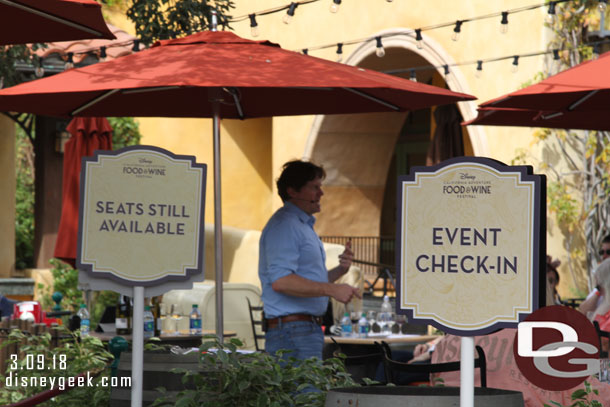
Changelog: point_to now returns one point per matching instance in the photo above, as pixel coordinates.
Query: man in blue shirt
(296, 284)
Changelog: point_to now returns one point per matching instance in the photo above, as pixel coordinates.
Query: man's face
(605, 251)
(308, 197)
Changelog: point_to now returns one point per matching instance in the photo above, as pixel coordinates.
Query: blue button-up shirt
(290, 245)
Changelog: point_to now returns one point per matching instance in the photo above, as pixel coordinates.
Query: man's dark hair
(295, 174)
(606, 239)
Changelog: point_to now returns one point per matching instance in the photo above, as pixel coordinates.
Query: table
(394, 338)
(184, 339)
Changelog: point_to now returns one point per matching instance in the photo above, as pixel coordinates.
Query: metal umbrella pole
(218, 224)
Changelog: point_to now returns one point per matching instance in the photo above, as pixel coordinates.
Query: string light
(515, 65)
(479, 71)
(334, 6)
(556, 55)
(418, 39)
(504, 22)
(389, 1)
(305, 51)
(70, 62)
(446, 68)
(39, 71)
(102, 54)
(339, 52)
(602, 5)
(551, 17)
(379, 51)
(253, 25)
(136, 45)
(456, 30)
(289, 13)
(413, 76)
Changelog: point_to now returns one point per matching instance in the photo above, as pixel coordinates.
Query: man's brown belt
(273, 322)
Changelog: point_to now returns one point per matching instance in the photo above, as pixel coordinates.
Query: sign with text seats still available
(141, 216)
(470, 237)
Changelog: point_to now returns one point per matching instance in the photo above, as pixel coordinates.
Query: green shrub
(256, 379)
(37, 359)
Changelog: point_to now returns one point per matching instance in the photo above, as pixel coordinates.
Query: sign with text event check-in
(141, 216)
(470, 241)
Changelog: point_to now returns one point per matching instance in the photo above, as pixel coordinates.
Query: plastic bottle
(149, 323)
(85, 321)
(363, 326)
(346, 325)
(195, 321)
(386, 309)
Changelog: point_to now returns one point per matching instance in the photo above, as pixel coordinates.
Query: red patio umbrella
(28, 21)
(594, 120)
(88, 134)
(582, 88)
(218, 74)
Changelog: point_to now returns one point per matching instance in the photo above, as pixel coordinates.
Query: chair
(256, 320)
(603, 354)
(360, 365)
(392, 366)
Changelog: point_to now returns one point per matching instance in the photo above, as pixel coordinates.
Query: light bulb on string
(446, 69)
(334, 6)
(456, 30)
(389, 1)
(379, 51)
(136, 45)
(103, 55)
(70, 62)
(413, 76)
(602, 5)
(253, 25)
(339, 52)
(479, 71)
(289, 13)
(305, 51)
(39, 70)
(504, 23)
(551, 16)
(556, 55)
(419, 41)
(515, 65)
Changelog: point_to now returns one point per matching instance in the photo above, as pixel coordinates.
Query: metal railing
(371, 251)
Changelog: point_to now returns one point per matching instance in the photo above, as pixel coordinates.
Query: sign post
(471, 249)
(141, 228)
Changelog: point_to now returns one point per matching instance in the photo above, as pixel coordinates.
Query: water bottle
(149, 323)
(85, 321)
(346, 325)
(363, 326)
(384, 317)
(195, 321)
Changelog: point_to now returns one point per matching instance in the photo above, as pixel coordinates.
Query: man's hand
(345, 258)
(344, 293)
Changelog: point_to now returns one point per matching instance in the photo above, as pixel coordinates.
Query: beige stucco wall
(7, 192)
(253, 151)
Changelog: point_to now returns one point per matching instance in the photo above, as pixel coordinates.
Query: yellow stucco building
(361, 153)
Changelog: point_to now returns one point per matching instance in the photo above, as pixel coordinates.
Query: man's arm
(298, 286)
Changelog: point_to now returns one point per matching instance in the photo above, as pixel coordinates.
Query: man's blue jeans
(304, 338)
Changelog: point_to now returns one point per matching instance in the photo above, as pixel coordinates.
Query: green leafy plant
(580, 398)
(164, 19)
(37, 359)
(24, 200)
(65, 281)
(231, 378)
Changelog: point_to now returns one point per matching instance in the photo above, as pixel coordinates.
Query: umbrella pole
(218, 224)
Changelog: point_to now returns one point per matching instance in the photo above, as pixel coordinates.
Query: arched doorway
(364, 153)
